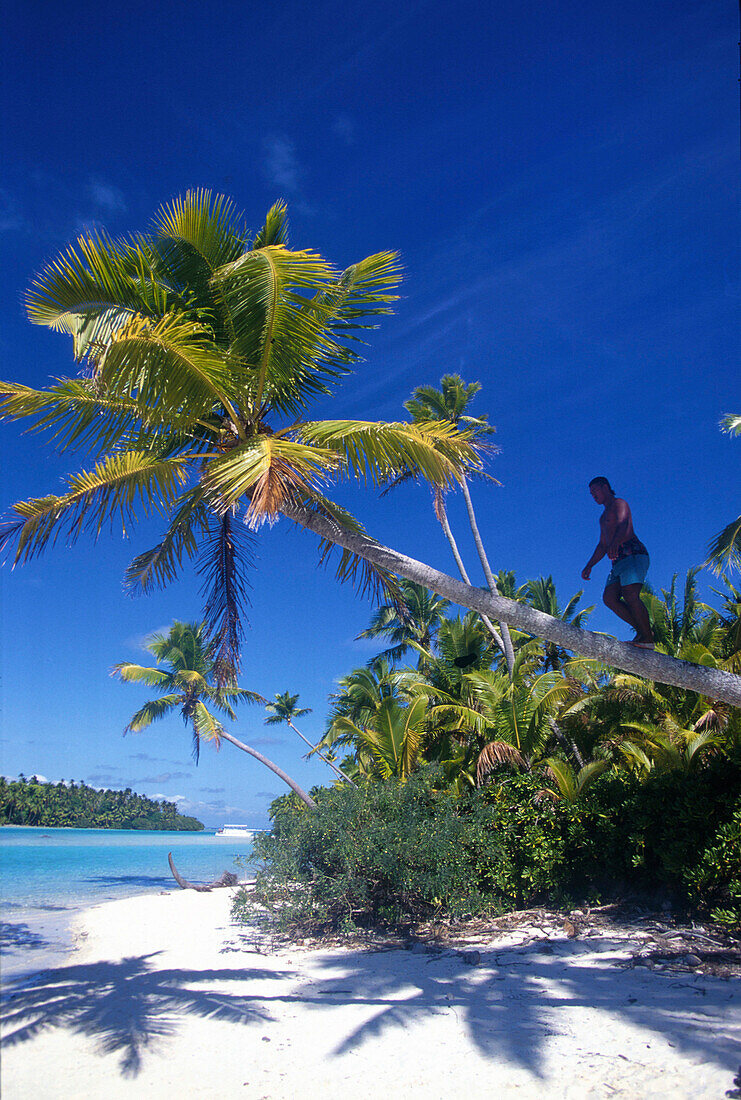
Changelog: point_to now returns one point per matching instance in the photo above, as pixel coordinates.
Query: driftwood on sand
(227, 878)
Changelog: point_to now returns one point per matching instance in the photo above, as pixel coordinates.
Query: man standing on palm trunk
(629, 559)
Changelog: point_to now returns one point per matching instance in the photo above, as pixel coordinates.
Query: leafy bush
(390, 854)
(716, 881)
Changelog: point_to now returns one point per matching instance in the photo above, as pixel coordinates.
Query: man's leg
(612, 597)
(631, 595)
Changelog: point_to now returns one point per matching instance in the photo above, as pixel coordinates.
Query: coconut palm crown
(201, 348)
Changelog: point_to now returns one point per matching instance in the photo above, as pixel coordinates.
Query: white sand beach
(166, 998)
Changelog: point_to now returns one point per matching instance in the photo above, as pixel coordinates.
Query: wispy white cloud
(216, 810)
(163, 777)
(107, 199)
(280, 164)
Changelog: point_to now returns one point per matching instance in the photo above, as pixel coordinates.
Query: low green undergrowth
(389, 855)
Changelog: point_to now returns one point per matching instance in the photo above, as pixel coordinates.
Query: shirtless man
(629, 559)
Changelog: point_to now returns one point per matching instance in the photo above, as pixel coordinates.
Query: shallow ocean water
(48, 875)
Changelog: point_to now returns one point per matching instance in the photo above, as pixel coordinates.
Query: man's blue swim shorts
(630, 570)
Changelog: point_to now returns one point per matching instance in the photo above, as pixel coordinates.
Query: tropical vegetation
(480, 787)
(73, 805)
(202, 347)
(187, 681)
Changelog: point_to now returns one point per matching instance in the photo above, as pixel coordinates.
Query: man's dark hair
(601, 481)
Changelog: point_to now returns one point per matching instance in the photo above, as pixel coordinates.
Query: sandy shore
(166, 998)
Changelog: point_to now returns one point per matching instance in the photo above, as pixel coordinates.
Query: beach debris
(227, 878)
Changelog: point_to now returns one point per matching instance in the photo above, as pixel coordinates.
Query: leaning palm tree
(186, 681)
(202, 347)
(449, 404)
(285, 708)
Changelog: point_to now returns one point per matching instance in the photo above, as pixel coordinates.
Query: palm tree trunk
(566, 741)
(273, 767)
(442, 514)
(509, 652)
(314, 748)
(714, 683)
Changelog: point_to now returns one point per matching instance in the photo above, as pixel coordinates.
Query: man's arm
(599, 553)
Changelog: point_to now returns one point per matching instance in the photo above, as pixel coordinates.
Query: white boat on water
(235, 830)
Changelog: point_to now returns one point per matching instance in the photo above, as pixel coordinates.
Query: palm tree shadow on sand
(127, 1006)
(509, 1007)
(515, 1002)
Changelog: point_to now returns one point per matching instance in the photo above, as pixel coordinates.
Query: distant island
(77, 806)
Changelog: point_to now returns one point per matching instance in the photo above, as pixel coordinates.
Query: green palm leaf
(724, 552)
(78, 414)
(275, 229)
(140, 674)
(170, 365)
(113, 489)
(375, 452)
(152, 711)
(89, 290)
(203, 226)
(159, 566)
(265, 292)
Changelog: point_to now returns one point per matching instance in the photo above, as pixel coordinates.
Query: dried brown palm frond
(545, 794)
(715, 718)
(494, 754)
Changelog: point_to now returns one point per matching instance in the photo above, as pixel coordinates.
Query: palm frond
(140, 674)
(493, 755)
(205, 728)
(110, 490)
(159, 566)
(376, 452)
(89, 290)
(275, 473)
(731, 423)
(275, 229)
(228, 552)
(78, 414)
(724, 552)
(172, 366)
(199, 230)
(563, 775)
(277, 334)
(152, 711)
(367, 289)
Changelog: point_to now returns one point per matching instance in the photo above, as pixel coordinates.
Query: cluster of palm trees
(202, 347)
(75, 805)
(459, 705)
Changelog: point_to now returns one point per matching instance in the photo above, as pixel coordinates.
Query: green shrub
(390, 854)
(715, 882)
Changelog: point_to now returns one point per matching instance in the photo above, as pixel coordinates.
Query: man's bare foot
(642, 643)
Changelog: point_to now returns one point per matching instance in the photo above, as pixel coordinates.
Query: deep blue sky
(561, 181)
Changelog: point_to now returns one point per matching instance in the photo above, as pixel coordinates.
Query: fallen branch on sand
(227, 878)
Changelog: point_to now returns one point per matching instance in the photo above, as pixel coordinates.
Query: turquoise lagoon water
(49, 875)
